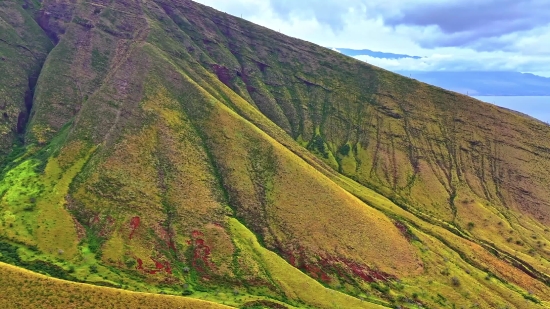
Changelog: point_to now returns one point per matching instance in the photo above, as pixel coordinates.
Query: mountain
(165, 147)
(367, 52)
(482, 83)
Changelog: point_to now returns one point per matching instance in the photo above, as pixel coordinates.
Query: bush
(130, 263)
(380, 287)
(455, 281)
(344, 150)
(93, 269)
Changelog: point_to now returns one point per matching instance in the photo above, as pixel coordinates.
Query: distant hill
(376, 54)
(486, 83)
(481, 83)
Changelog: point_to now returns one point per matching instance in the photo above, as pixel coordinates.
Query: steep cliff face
(23, 49)
(175, 148)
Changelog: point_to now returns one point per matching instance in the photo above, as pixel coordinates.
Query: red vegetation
(134, 224)
(95, 220)
(302, 263)
(317, 273)
(292, 259)
(201, 252)
(404, 230)
(159, 266)
(368, 274)
(337, 266)
(196, 234)
(168, 268)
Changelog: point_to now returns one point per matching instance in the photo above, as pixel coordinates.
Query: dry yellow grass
(24, 289)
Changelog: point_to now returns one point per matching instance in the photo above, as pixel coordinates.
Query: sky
(451, 35)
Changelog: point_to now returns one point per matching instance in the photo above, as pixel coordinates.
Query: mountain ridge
(376, 54)
(165, 136)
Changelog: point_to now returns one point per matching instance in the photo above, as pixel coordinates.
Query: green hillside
(165, 147)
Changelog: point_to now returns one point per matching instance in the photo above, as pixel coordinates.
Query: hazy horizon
(535, 106)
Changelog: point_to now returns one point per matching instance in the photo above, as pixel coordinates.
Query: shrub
(344, 150)
(380, 287)
(93, 269)
(130, 263)
(455, 281)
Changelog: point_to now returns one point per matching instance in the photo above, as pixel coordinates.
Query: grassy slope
(24, 289)
(23, 49)
(173, 121)
(429, 149)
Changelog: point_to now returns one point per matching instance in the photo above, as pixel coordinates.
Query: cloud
(456, 60)
(246, 8)
(331, 13)
(484, 25)
(468, 23)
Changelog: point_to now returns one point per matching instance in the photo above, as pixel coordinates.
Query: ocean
(536, 107)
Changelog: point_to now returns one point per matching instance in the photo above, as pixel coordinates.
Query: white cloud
(455, 59)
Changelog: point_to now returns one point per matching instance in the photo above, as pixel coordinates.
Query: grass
(24, 289)
(296, 285)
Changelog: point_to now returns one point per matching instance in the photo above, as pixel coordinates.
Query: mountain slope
(24, 289)
(173, 148)
(23, 49)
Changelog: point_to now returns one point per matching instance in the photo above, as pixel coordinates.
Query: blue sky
(452, 35)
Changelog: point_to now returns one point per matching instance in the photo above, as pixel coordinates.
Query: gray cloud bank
(479, 24)
(465, 23)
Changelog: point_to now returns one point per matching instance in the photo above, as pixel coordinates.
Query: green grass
(297, 286)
